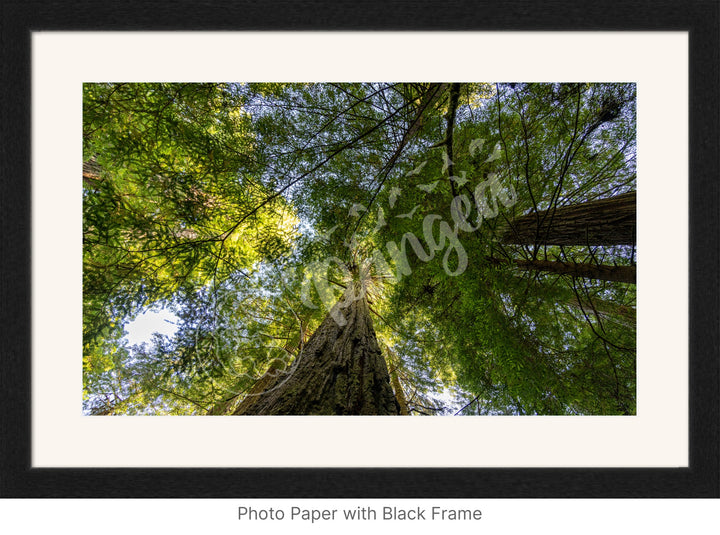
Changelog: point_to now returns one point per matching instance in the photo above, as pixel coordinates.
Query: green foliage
(172, 201)
(219, 201)
(530, 343)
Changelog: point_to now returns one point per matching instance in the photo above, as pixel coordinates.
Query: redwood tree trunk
(608, 221)
(340, 370)
(587, 271)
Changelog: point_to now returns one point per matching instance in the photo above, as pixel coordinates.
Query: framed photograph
(250, 254)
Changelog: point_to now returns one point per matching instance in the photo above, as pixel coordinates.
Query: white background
(657, 436)
(499, 517)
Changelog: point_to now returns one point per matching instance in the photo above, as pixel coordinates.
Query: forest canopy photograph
(420, 249)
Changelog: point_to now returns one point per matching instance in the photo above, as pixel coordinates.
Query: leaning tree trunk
(581, 270)
(608, 221)
(340, 370)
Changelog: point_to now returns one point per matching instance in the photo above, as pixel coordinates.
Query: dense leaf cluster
(248, 208)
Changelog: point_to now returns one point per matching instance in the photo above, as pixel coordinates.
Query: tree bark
(399, 393)
(608, 221)
(340, 371)
(586, 271)
(91, 173)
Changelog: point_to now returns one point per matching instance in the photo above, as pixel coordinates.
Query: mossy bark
(339, 371)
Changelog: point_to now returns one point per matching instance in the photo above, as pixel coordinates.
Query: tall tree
(608, 221)
(481, 206)
(585, 270)
(340, 370)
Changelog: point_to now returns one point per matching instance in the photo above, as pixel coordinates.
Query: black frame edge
(18, 479)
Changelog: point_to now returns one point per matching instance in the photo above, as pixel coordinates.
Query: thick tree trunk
(587, 271)
(340, 370)
(608, 221)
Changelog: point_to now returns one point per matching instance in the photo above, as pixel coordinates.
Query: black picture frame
(20, 18)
